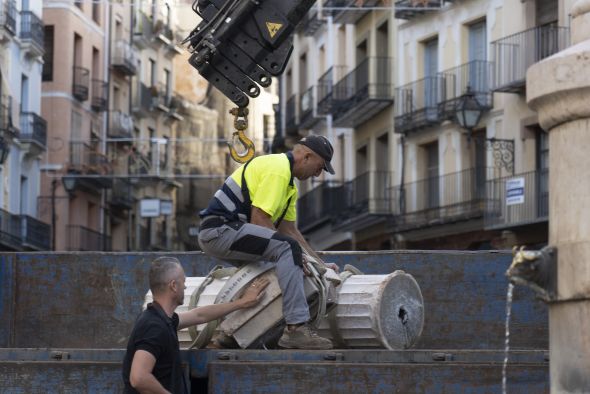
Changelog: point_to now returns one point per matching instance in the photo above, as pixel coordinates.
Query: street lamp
(468, 111)
(69, 183)
(468, 114)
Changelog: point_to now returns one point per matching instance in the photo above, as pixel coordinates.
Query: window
(152, 71)
(24, 94)
(302, 73)
(48, 56)
(167, 82)
(96, 11)
(432, 179)
(383, 40)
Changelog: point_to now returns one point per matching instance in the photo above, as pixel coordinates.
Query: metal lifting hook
(240, 124)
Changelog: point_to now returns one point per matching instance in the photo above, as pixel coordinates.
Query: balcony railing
(513, 55)
(442, 199)
(125, 58)
(291, 123)
(476, 75)
(35, 233)
(318, 205)
(84, 156)
(306, 104)
(352, 10)
(139, 163)
(86, 160)
(10, 230)
(142, 100)
(326, 86)
(81, 238)
(160, 97)
(122, 194)
(311, 23)
(363, 201)
(121, 125)
(8, 16)
(99, 100)
(417, 104)
(32, 30)
(33, 129)
(143, 31)
(81, 82)
(408, 9)
(363, 92)
(529, 205)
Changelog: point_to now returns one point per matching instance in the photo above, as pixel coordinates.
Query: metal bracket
(502, 151)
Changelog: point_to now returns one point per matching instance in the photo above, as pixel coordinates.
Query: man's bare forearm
(208, 313)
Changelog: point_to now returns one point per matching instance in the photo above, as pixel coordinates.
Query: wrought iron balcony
(8, 16)
(143, 30)
(476, 75)
(121, 125)
(86, 160)
(364, 201)
(125, 58)
(139, 163)
(306, 104)
(326, 86)
(81, 82)
(32, 32)
(33, 129)
(162, 29)
(142, 100)
(351, 10)
(363, 93)
(513, 55)
(122, 195)
(417, 104)
(291, 123)
(317, 206)
(100, 93)
(311, 23)
(529, 205)
(442, 199)
(409, 9)
(10, 230)
(35, 233)
(160, 97)
(82, 238)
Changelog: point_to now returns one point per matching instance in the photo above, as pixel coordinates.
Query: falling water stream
(507, 340)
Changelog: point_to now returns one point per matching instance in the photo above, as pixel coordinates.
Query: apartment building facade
(454, 158)
(107, 95)
(23, 138)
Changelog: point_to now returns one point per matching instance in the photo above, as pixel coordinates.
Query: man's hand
(253, 293)
(332, 266)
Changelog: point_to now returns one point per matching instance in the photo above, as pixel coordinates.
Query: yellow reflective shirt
(268, 179)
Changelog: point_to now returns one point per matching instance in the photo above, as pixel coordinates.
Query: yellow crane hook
(241, 124)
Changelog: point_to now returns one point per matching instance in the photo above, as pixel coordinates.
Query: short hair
(162, 271)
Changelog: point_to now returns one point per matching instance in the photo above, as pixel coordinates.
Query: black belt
(212, 222)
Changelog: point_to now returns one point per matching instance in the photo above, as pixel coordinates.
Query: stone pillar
(558, 88)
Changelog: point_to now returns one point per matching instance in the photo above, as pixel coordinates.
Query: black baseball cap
(320, 145)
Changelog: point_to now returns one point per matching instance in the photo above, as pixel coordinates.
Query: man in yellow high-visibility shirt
(253, 218)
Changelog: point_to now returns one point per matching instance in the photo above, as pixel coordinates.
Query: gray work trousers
(240, 243)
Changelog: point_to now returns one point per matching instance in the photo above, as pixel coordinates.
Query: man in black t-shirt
(152, 361)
